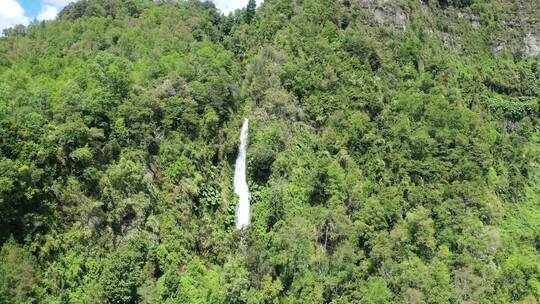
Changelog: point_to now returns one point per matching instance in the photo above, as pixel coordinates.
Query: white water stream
(243, 212)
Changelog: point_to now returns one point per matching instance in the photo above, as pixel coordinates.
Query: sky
(13, 12)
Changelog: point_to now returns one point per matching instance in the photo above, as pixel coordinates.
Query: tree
(17, 274)
(386, 163)
(250, 10)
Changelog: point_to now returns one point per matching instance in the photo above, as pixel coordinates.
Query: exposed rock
(497, 48)
(384, 12)
(452, 42)
(532, 44)
(151, 167)
(458, 47)
(387, 15)
(425, 7)
(473, 19)
(92, 223)
(513, 23)
(149, 174)
(527, 13)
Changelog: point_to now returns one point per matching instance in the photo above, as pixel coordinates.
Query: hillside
(393, 157)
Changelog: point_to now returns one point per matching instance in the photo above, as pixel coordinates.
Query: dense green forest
(394, 153)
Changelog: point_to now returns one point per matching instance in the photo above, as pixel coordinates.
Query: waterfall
(243, 216)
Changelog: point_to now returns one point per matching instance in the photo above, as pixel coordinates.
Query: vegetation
(394, 153)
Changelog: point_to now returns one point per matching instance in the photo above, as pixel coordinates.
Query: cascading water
(243, 216)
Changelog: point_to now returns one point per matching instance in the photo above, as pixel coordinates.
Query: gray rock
(497, 48)
(452, 42)
(473, 19)
(390, 15)
(532, 44)
(384, 12)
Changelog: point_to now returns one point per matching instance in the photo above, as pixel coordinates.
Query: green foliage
(250, 10)
(393, 153)
(18, 274)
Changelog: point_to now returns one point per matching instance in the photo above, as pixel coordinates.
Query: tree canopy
(393, 154)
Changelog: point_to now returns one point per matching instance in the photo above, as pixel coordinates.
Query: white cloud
(227, 6)
(48, 12)
(51, 8)
(59, 3)
(11, 14)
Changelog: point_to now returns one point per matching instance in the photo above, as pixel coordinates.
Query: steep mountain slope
(393, 153)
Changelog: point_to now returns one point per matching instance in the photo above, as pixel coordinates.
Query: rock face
(390, 15)
(452, 42)
(497, 48)
(383, 12)
(532, 44)
(474, 20)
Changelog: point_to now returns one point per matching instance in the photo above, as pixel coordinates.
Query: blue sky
(13, 12)
(31, 7)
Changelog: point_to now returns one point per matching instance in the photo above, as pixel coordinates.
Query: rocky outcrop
(388, 15)
(532, 44)
(474, 20)
(383, 12)
(498, 47)
(452, 42)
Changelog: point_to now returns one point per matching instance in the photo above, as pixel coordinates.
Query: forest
(393, 157)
